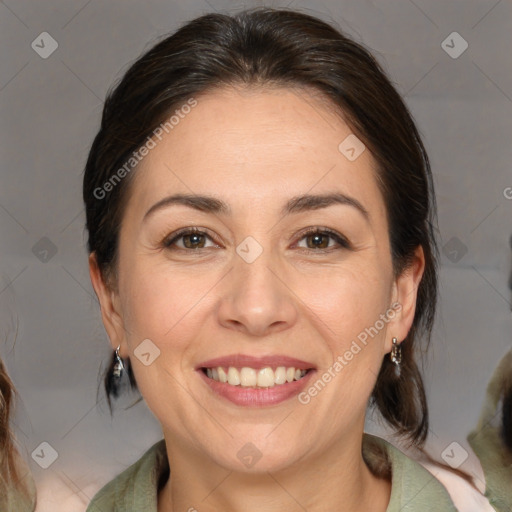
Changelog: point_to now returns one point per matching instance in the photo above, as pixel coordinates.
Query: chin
(257, 453)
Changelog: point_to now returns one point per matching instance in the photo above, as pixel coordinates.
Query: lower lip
(251, 397)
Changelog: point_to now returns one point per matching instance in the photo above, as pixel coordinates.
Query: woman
(260, 213)
(491, 440)
(17, 489)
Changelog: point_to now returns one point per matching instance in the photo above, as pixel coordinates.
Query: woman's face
(253, 289)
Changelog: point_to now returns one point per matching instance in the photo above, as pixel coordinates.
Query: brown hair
(269, 47)
(10, 477)
(506, 406)
(506, 414)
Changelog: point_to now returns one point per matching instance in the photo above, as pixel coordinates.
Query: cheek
(347, 300)
(164, 307)
(347, 313)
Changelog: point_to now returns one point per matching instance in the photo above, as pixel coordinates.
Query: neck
(338, 476)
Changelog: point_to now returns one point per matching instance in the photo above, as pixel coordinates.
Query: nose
(255, 298)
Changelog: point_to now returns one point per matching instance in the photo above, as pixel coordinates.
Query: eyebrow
(296, 204)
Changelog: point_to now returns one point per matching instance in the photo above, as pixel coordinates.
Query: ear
(109, 304)
(405, 292)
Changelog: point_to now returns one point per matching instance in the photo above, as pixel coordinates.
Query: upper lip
(241, 360)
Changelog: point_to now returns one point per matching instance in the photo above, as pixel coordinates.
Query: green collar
(413, 488)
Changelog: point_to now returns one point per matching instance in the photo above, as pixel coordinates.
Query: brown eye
(317, 239)
(192, 239)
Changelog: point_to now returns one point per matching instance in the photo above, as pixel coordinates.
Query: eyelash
(342, 241)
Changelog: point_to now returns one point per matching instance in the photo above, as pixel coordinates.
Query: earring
(396, 353)
(118, 367)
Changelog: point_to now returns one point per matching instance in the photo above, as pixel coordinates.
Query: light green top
(19, 499)
(488, 445)
(413, 488)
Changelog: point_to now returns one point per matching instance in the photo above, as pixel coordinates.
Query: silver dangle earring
(396, 353)
(118, 364)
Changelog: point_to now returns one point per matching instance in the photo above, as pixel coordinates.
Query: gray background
(52, 339)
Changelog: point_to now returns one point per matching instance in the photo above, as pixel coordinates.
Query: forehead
(256, 145)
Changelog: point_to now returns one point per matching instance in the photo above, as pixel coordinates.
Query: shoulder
(19, 500)
(487, 440)
(136, 488)
(20, 497)
(496, 463)
(466, 497)
(412, 486)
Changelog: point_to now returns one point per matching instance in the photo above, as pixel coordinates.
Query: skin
(255, 149)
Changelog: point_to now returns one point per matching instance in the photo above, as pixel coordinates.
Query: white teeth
(222, 375)
(280, 375)
(233, 376)
(249, 377)
(266, 378)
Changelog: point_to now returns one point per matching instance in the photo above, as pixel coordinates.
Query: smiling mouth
(261, 378)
